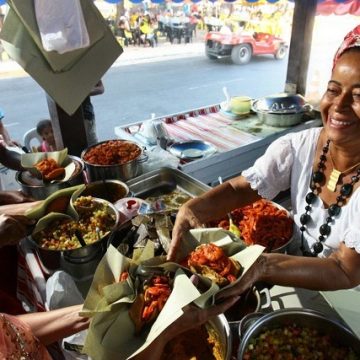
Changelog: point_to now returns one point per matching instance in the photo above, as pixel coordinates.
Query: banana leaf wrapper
(112, 333)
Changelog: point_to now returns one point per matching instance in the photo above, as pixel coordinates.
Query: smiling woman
(321, 166)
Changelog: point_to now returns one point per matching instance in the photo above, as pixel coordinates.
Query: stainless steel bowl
(110, 190)
(301, 317)
(221, 325)
(52, 260)
(280, 120)
(40, 191)
(122, 172)
(282, 103)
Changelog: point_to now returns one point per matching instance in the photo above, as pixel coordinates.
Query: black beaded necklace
(317, 178)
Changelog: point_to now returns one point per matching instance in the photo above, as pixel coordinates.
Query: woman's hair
(41, 125)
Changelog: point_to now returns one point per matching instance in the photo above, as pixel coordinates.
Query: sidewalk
(131, 55)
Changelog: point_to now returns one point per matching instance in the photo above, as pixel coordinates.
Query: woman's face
(340, 105)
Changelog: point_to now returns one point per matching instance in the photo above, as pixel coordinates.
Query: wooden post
(69, 130)
(300, 46)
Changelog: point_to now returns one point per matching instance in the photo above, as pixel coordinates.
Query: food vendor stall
(238, 144)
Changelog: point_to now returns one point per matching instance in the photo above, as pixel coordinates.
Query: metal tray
(163, 181)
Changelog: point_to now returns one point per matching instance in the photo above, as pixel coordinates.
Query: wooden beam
(300, 46)
(69, 130)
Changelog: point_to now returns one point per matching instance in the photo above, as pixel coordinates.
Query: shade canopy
(325, 7)
(338, 7)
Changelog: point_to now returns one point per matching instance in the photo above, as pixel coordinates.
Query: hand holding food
(185, 220)
(13, 228)
(14, 197)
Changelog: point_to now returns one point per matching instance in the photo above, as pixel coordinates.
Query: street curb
(131, 55)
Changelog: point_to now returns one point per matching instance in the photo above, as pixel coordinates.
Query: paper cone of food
(58, 202)
(113, 332)
(49, 166)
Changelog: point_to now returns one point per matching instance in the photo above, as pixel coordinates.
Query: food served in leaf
(261, 223)
(211, 261)
(150, 300)
(93, 224)
(50, 169)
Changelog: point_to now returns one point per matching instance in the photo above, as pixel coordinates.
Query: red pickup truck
(241, 47)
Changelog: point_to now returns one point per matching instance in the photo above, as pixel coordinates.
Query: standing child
(44, 129)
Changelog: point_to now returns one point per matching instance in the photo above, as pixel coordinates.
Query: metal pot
(280, 120)
(282, 103)
(301, 317)
(110, 190)
(221, 325)
(53, 260)
(122, 172)
(40, 191)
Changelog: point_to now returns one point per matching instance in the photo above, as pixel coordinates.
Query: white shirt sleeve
(271, 173)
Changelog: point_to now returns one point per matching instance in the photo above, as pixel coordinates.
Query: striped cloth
(213, 127)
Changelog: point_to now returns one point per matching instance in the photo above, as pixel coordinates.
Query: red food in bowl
(262, 222)
(113, 152)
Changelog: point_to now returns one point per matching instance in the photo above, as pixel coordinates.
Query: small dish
(192, 149)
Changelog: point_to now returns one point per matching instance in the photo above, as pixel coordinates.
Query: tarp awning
(328, 7)
(325, 7)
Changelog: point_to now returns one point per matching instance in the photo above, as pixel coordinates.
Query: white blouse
(287, 163)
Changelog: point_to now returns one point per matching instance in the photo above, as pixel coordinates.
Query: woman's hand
(185, 220)
(14, 197)
(253, 275)
(13, 228)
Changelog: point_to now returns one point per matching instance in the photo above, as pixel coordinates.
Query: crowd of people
(145, 27)
(321, 166)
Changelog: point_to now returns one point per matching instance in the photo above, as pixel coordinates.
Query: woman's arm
(339, 271)
(212, 205)
(54, 325)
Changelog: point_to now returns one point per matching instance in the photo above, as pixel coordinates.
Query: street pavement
(131, 55)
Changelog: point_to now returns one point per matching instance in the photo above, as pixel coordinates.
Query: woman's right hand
(13, 228)
(185, 220)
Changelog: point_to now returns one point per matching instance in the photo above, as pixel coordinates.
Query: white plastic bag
(61, 24)
(61, 291)
(159, 158)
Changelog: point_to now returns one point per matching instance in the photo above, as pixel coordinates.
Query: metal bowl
(280, 120)
(40, 191)
(122, 172)
(222, 327)
(301, 317)
(219, 326)
(52, 259)
(192, 150)
(282, 103)
(110, 190)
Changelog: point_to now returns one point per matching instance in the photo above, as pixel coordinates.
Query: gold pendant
(333, 180)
